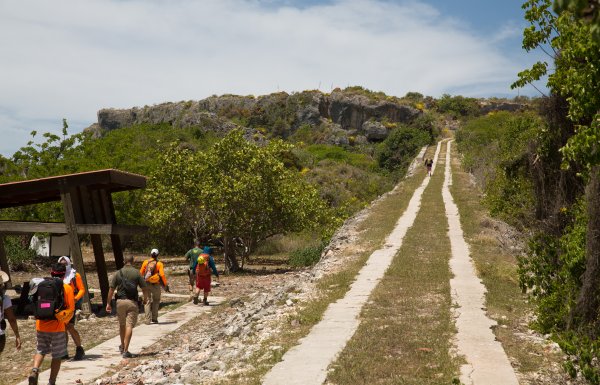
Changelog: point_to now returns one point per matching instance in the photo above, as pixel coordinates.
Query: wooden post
(109, 211)
(67, 197)
(100, 266)
(4, 261)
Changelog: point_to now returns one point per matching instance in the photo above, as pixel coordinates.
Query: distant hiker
(428, 164)
(125, 282)
(191, 256)
(54, 307)
(202, 267)
(153, 272)
(73, 278)
(6, 313)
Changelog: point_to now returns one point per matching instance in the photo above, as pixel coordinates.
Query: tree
(238, 192)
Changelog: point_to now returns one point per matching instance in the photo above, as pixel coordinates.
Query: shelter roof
(48, 189)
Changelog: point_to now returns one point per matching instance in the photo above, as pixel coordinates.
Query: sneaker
(196, 301)
(79, 353)
(205, 302)
(154, 321)
(127, 355)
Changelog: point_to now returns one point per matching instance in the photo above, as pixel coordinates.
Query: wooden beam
(67, 200)
(4, 261)
(16, 228)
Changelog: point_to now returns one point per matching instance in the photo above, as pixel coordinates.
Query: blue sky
(68, 59)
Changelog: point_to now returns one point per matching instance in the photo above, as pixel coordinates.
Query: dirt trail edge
(307, 362)
(487, 362)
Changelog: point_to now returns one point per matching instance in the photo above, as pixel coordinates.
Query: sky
(70, 58)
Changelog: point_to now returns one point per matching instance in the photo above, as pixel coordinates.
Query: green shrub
(20, 256)
(398, 150)
(307, 256)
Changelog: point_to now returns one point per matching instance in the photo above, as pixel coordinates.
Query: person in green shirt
(192, 256)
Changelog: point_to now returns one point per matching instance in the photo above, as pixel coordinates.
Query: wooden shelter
(88, 209)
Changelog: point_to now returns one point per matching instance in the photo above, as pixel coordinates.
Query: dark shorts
(51, 342)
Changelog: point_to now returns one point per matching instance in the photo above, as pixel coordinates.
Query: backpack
(129, 287)
(202, 268)
(151, 275)
(49, 298)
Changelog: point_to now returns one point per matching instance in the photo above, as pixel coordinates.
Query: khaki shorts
(127, 312)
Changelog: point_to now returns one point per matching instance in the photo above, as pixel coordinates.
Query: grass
(497, 267)
(406, 327)
(330, 288)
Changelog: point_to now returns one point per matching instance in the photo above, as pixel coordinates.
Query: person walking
(191, 256)
(153, 272)
(6, 313)
(125, 282)
(429, 164)
(73, 278)
(202, 268)
(50, 329)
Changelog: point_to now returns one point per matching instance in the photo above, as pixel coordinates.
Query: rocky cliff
(355, 113)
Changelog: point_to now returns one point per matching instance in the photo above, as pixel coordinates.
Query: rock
(375, 131)
(213, 366)
(233, 331)
(289, 302)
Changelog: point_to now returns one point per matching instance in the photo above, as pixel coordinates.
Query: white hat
(154, 252)
(3, 277)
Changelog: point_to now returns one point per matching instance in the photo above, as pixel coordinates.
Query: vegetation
(237, 192)
(544, 175)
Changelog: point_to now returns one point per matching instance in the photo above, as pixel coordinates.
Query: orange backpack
(202, 268)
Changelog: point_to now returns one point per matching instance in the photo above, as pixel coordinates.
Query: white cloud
(68, 58)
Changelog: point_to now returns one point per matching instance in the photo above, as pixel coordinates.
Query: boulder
(374, 131)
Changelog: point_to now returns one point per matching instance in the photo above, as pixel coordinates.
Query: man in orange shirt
(73, 278)
(50, 333)
(153, 272)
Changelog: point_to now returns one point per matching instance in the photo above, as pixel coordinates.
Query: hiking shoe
(65, 357)
(79, 353)
(196, 301)
(126, 354)
(154, 321)
(33, 378)
(205, 302)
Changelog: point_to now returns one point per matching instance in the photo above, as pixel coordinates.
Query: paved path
(487, 363)
(105, 356)
(307, 362)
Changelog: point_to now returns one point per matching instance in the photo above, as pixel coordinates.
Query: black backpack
(129, 286)
(49, 298)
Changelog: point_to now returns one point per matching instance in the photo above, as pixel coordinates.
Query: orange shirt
(159, 269)
(77, 284)
(54, 326)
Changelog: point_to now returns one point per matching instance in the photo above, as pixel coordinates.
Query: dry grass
(406, 327)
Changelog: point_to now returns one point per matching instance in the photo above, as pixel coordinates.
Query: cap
(154, 252)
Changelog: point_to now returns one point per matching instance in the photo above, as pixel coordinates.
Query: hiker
(429, 164)
(153, 272)
(6, 313)
(202, 268)
(73, 278)
(54, 307)
(192, 256)
(126, 282)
